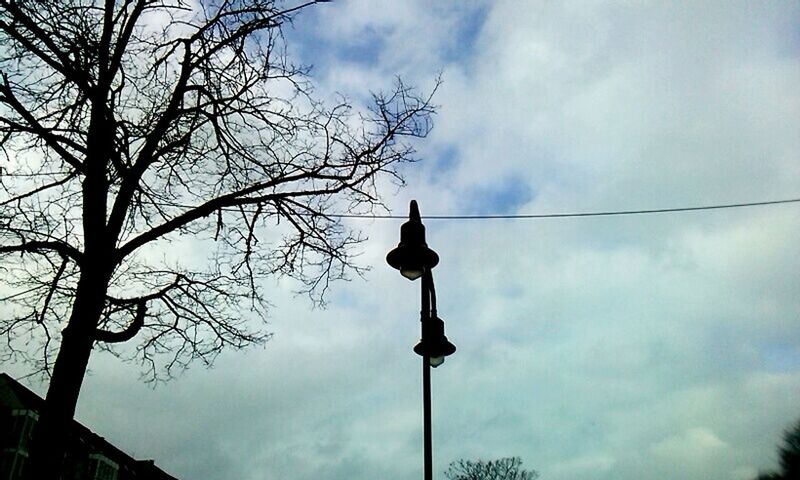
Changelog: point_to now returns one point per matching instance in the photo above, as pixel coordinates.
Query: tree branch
(63, 65)
(35, 246)
(52, 290)
(40, 189)
(44, 133)
(125, 37)
(107, 336)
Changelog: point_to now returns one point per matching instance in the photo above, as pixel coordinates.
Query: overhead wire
(605, 213)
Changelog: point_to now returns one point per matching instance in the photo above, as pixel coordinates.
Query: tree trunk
(51, 434)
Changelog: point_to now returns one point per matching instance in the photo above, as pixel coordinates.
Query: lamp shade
(412, 255)
(434, 343)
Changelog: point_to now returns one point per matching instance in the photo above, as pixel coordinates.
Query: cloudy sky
(641, 347)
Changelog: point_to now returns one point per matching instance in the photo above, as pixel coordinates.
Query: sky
(638, 347)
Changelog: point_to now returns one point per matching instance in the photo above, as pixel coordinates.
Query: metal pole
(426, 406)
(425, 314)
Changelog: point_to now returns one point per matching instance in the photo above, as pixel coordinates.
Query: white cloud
(689, 445)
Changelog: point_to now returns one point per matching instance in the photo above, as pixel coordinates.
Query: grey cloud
(622, 348)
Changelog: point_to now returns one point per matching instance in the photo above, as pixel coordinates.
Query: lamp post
(415, 260)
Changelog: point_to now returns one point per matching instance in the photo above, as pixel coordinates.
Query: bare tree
(508, 468)
(789, 456)
(126, 125)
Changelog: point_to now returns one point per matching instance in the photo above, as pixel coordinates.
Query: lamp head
(434, 343)
(412, 255)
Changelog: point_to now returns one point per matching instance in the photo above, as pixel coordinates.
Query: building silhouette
(89, 456)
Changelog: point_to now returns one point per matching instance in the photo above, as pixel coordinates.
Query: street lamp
(415, 260)
(412, 256)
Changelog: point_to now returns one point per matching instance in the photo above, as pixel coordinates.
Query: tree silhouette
(509, 468)
(126, 125)
(789, 454)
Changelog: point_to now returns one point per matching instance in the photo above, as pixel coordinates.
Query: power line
(608, 213)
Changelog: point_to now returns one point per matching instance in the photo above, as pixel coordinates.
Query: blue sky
(665, 346)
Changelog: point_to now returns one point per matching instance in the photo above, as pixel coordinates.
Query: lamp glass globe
(436, 361)
(412, 272)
